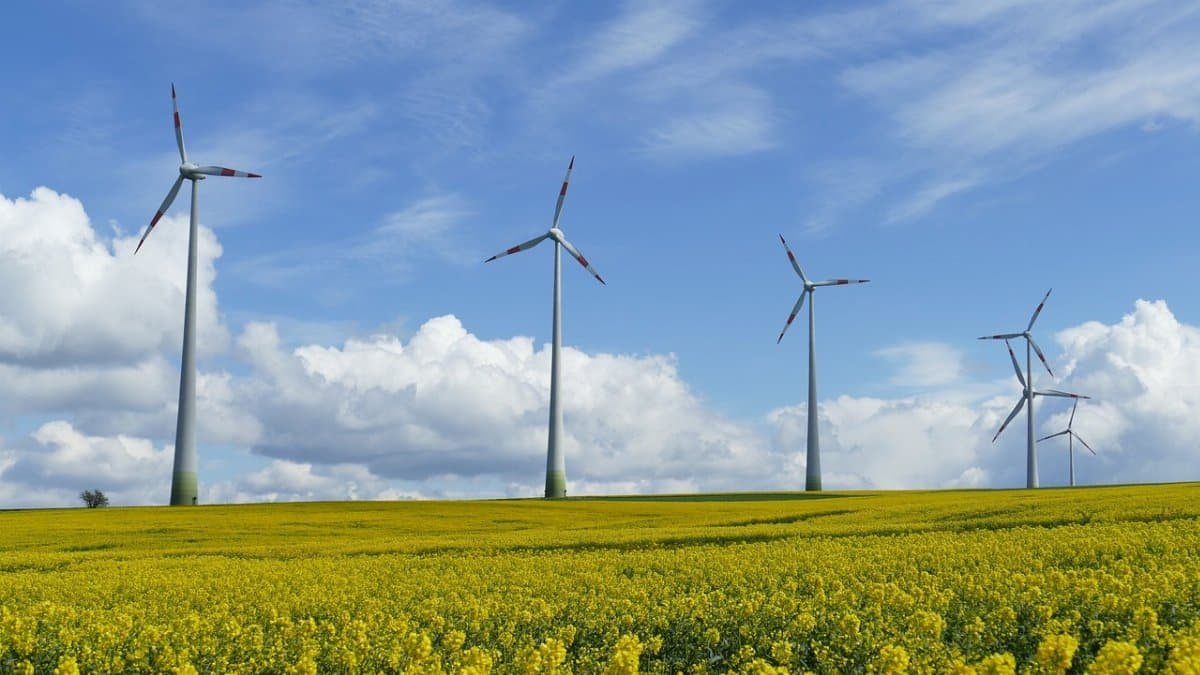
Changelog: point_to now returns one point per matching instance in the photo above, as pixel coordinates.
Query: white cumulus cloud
(444, 412)
(448, 403)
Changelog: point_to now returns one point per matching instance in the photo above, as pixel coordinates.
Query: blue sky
(965, 156)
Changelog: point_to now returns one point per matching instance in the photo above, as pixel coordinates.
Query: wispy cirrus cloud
(422, 226)
(639, 36)
(741, 126)
(426, 64)
(997, 89)
(927, 197)
(315, 37)
(971, 94)
(652, 58)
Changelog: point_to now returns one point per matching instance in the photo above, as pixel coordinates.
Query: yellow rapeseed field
(1099, 580)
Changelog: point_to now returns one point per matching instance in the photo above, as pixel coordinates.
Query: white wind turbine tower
(812, 475)
(1071, 438)
(183, 477)
(556, 470)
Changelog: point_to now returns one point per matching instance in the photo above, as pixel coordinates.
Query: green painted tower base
(556, 484)
(183, 489)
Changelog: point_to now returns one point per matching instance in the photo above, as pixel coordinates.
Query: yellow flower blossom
(1055, 653)
(892, 660)
(1116, 658)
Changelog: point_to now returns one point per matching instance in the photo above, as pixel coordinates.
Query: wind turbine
(556, 469)
(183, 477)
(1029, 393)
(812, 475)
(1031, 469)
(1071, 438)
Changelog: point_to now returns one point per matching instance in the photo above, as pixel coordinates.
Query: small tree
(93, 498)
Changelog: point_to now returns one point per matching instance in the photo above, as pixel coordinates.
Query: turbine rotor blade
(1053, 435)
(1005, 336)
(1011, 415)
(582, 260)
(178, 126)
(1061, 394)
(1038, 311)
(1073, 407)
(1076, 436)
(792, 258)
(1016, 367)
(222, 171)
(840, 282)
(1041, 356)
(519, 247)
(562, 194)
(792, 316)
(159, 213)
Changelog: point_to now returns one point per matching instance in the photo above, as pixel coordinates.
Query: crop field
(1102, 580)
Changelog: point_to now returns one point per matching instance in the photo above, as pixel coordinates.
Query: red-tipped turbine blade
(518, 248)
(1062, 394)
(562, 193)
(159, 213)
(1016, 366)
(1038, 311)
(582, 260)
(222, 171)
(1041, 356)
(792, 258)
(792, 317)
(1011, 415)
(178, 126)
(1005, 336)
(840, 282)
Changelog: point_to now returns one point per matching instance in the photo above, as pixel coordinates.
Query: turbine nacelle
(189, 171)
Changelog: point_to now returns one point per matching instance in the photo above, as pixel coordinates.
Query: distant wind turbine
(1071, 438)
(184, 489)
(556, 470)
(1031, 469)
(1029, 393)
(812, 475)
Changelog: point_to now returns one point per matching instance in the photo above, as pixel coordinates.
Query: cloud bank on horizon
(445, 413)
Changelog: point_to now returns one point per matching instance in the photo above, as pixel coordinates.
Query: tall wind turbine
(1031, 469)
(556, 468)
(183, 477)
(1071, 438)
(812, 474)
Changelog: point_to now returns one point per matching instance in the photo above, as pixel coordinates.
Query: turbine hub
(188, 170)
(556, 234)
